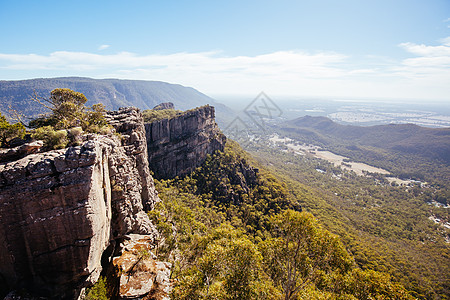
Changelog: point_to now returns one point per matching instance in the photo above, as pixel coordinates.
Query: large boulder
(140, 275)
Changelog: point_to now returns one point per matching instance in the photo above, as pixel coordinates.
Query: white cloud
(445, 41)
(284, 62)
(103, 47)
(423, 50)
(431, 57)
(426, 74)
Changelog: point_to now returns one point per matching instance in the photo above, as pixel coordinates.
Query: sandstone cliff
(59, 210)
(64, 213)
(178, 145)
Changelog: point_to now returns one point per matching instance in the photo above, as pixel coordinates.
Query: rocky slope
(60, 210)
(178, 145)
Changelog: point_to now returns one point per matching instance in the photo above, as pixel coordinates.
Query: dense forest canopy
(234, 231)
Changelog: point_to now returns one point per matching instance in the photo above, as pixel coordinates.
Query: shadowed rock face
(55, 218)
(59, 210)
(179, 145)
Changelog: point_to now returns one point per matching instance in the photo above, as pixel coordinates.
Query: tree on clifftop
(9, 131)
(67, 111)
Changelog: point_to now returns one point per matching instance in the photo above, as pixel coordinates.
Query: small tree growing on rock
(68, 111)
(9, 131)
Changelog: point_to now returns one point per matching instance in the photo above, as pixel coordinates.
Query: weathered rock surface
(178, 145)
(23, 150)
(129, 124)
(15, 295)
(140, 275)
(55, 216)
(59, 210)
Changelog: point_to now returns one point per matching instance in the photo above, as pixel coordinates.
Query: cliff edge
(61, 209)
(178, 145)
(68, 214)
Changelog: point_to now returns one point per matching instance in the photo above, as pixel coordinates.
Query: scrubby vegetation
(236, 232)
(63, 126)
(98, 291)
(68, 118)
(9, 131)
(152, 115)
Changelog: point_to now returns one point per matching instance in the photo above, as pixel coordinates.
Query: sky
(384, 49)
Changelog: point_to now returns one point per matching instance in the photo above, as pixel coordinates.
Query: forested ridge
(235, 231)
(112, 93)
(386, 228)
(406, 150)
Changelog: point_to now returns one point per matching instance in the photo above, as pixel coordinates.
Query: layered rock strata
(129, 126)
(60, 210)
(178, 145)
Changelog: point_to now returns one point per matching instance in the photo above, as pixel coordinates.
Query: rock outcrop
(23, 150)
(141, 276)
(60, 210)
(178, 145)
(65, 212)
(129, 124)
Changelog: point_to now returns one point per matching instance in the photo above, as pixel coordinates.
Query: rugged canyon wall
(65, 212)
(60, 210)
(55, 218)
(178, 145)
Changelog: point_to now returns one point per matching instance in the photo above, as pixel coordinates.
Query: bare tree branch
(41, 101)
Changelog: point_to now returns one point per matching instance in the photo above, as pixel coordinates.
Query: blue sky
(372, 49)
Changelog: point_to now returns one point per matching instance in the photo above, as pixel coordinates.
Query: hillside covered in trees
(271, 226)
(234, 231)
(407, 150)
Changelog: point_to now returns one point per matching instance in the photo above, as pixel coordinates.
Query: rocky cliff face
(177, 146)
(64, 212)
(59, 210)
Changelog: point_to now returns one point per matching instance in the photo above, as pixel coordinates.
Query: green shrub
(98, 291)
(53, 139)
(151, 115)
(68, 111)
(9, 131)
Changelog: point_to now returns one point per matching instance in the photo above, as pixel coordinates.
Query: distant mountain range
(407, 138)
(403, 148)
(113, 93)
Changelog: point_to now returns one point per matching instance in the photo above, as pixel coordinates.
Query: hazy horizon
(346, 49)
